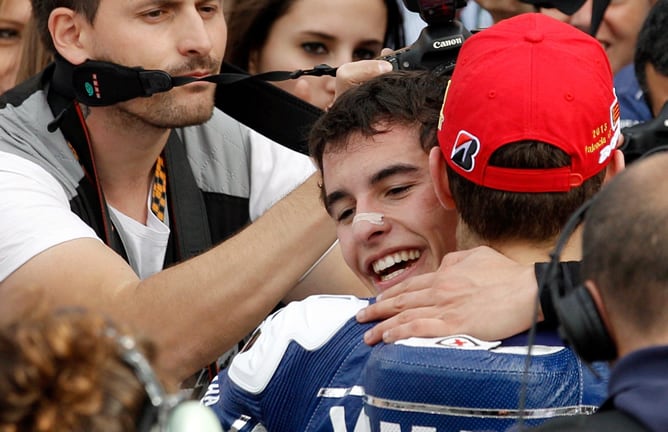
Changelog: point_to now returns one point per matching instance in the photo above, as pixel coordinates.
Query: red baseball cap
(530, 77)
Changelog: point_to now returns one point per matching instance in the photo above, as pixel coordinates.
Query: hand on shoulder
(478, 292)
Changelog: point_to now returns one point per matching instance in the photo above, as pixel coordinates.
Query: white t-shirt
(29, 193)
(145, 245)
(277, 170)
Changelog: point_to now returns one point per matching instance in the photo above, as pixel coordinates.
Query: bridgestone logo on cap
(465, 150)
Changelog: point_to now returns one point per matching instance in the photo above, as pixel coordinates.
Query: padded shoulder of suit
(311, 323)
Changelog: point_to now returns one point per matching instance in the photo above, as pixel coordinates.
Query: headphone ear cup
(582, 327)
(191, 416)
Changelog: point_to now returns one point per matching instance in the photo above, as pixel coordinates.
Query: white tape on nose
(372, 218)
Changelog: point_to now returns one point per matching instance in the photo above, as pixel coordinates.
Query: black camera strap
(250, 99)
(597, 12)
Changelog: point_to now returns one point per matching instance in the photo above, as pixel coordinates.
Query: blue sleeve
(240, 411)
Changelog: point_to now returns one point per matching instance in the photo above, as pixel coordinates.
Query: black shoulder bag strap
(268, 109)
(188, 213)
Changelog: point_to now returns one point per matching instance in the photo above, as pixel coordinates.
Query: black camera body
(645, 137)
(439, 42)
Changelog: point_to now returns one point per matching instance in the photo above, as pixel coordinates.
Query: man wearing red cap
(529, 132)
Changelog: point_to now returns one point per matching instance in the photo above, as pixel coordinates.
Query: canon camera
(645, 138)
(439, 42)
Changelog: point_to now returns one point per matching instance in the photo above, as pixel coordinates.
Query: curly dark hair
(409, 98)
(399, 97)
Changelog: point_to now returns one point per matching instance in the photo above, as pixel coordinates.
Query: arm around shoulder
(195, 310)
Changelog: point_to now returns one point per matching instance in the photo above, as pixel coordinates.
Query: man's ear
(69, 32)
(439, 178)
(616, 164)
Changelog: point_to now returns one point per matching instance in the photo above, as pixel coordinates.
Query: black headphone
(162, 412)
(580, 322)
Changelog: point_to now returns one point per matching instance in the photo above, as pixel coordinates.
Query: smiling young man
(303, 369)
(385, 193)
(121, 208)
(513, 181)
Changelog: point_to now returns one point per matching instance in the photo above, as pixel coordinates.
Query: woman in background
(34, 56)
(14, 16)
(286, 35)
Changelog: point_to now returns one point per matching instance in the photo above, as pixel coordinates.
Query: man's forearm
(197, 309)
